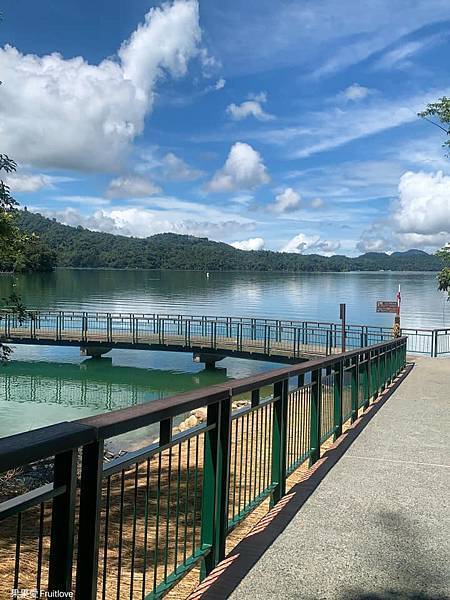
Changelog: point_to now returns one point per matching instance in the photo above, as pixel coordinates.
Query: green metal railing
(263, 337)
(138, 524)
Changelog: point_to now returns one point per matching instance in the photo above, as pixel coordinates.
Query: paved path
(377, 526)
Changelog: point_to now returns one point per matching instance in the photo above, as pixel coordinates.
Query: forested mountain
(79, 247)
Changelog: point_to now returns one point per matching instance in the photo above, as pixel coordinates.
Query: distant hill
(79, 247)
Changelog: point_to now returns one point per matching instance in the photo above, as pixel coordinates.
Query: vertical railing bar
(106, 535)
(119, 560)
(195, 494)
(17, 553)
(133, 541)
(40, 547)
(145, 557)
(158, 506)
(88, 526)
(186, 506)
(177, 511)
(169, 485)
(62, 528)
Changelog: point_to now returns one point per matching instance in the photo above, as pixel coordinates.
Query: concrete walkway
(377, 525)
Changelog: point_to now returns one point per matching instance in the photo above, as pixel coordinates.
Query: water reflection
(39, 393)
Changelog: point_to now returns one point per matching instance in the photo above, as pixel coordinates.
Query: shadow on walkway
(231, 571)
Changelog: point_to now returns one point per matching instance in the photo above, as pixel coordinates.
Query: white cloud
(67, 113)
(356, 92)
(338, 127)
(286, 201)
(156, 214)
(400, 56)
(373, 244)
(175, 168)
(86, 201)
(33, 182)
(28, 183)
(220, 84)
(310, 244)
(243, 169)
(316, 203)
(421, 215)
(131, 187)
(142, 222)
(249, 108)
(250, 244)
(424, 204)
(301, 34)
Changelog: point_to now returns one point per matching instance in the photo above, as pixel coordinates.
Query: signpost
(342, 315)
(387, 306)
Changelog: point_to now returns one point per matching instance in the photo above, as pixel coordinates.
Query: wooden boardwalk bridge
(209, 338)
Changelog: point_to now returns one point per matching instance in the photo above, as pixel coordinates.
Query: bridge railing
(254, 335)
(237, 334)
(139, 523)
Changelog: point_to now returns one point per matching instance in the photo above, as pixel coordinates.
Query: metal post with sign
(342, 315)
(384, 306)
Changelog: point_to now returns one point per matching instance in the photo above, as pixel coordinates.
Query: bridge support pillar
(209, 360)
(94, 351)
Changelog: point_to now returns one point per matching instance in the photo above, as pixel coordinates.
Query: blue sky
(286, 125)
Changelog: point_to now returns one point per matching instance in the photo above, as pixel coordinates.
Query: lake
(44, 385)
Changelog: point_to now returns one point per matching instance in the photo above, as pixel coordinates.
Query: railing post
(434, 351)
(338, 395)
(216, 469)
(355, 389)
(367, 381)
(89, 522)
(62, 529)
(280, 391)
(316, 392)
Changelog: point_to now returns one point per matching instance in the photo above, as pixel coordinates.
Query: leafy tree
(439, 110)
(11, 242)
(444, 275)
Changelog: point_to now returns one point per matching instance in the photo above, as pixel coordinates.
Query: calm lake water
(44, 385)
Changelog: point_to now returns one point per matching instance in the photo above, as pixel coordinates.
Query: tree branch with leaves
(438, 113)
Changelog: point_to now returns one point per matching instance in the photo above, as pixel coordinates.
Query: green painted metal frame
(370, 369)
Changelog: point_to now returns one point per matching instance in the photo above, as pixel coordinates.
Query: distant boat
(207, 274)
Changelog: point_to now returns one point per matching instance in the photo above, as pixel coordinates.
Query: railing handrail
(27, 447)
(220, 318)
(22, 448)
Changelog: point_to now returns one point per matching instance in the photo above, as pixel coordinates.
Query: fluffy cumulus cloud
(153, 215)
(243, 169)
(250, 244)
(423, 206)
(285, 202)
(68, 113)
(421, 215)
(250, 108)
(310, 244)
(176, 169)
(131, 187)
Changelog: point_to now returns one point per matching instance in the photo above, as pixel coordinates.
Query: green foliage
(81, 248)
(444, 275)
(441, 111)
(19, 252)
